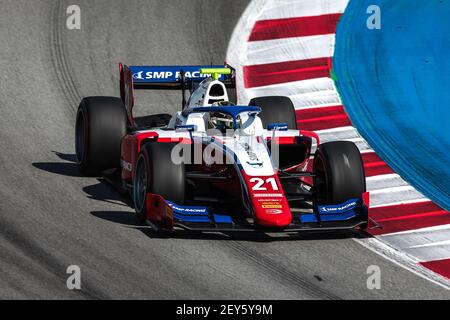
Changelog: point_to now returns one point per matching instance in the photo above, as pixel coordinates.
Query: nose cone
(280, 220)
(270, 206)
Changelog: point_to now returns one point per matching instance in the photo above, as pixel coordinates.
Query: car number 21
(261, 184)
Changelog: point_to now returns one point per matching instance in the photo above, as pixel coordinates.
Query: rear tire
(276, 109)
(156, 173)
(100, 126)
(339, 173)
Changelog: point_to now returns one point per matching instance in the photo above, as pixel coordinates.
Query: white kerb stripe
(385, 181)
(338, 134)
(316, 99)
(395, 203)
(301, 8)
(293, 88)
(426, 244)
(290, 49)
(393, 195)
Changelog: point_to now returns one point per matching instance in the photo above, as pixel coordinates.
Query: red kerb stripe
(322, 118)
(410, 216)
(288, 71)
(439, 266)
(374, 166)
(294, 27)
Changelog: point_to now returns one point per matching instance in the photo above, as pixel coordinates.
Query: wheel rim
(140, 185)
(80, 137)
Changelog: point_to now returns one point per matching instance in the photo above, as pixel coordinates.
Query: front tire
(100, 126)
(156, 173)
(339, 173)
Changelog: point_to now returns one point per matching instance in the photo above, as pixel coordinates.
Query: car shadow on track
(68, 168)
(62, 168)
(101, 191)
(128, 220)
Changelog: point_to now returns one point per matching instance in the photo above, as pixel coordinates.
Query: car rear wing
(175, 77)
(168, 78)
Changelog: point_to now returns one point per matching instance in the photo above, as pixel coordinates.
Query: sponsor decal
(268, 195)
(268, 200)
(255, 164)
(158, 74)
(126, 165)
(261, 184)
(344, 207)
(251, 155)
(277, 126)
(166, 75)
(189, 210)
(274, 211)
(272, 206)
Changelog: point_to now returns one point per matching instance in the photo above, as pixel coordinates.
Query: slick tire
(101, 124)
(156, 173)
(339, 173)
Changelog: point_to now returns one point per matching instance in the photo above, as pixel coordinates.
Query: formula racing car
(217, 166)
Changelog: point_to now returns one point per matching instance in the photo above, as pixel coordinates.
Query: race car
(217, 166)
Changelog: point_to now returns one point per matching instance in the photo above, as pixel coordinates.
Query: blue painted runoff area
(395, 86)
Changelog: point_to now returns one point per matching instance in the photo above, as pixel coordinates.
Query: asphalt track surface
(51, 217)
